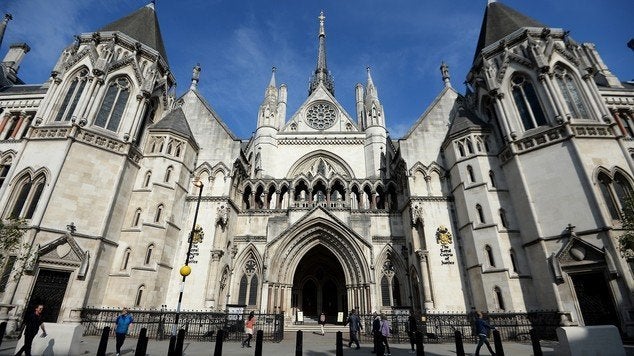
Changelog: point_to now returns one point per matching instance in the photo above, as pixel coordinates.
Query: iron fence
(440, 328)
(198, 325)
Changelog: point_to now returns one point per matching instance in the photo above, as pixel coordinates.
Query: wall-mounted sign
(444, 239)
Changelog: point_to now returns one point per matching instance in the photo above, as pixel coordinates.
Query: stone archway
(319, 284)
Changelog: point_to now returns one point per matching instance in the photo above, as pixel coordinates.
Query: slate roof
(174, 121)
(465, 120)
(143, 26)
(500, 21)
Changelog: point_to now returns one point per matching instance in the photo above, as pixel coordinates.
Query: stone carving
(365, 200)
(285, 200)
(417, 214)
(198, 234)
(443, 236)
(273, 200)
(223, 217)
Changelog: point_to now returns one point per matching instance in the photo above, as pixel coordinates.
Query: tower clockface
(321, 116)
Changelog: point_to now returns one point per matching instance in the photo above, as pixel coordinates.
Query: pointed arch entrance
(319, 284)
(293, 261)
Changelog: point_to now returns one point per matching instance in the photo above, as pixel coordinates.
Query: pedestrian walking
(32, 322)
(376, 334)
(412, 327)
(248, 329)
(386, 331)
(354, 323)
(122, 323)
(322, 322)
(482, 328)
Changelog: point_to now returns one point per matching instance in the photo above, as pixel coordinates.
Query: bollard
(179, 343)
(420, 347)
(298, 343)
(141, 343)
(537, 348)
(3, 329)
(459, 344)
(499, 350)
(171, 350)
(339, 345)
(219, 339)
(259, 336)
(103, 342)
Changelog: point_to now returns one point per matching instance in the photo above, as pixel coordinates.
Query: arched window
(126, 258)
(139, 296)
(137, 217)
(113, 104)
(570, 92)
(242, 292)
(489, 253)
(385, 291)
(470, 173)
(146, 180)
(480, 214)
(168, 173)
(159, 212)
(499, 298)
(179, 149)
(615, 192)
(148, 254)
(469, 146)
(170, 147)
(460, 149)
(396, 292)
(253, 291)
(492, 179)
(75, 89)
(4, 171)
(27, 194)
(513, 261)
(527, 102)
(503, 220)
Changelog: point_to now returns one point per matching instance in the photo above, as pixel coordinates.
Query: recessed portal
(319, 285)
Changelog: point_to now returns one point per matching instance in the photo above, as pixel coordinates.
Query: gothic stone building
(504, 198)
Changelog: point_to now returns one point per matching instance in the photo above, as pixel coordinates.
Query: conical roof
(143, 26)
(500, 21)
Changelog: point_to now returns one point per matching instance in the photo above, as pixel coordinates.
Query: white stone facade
(504, 199)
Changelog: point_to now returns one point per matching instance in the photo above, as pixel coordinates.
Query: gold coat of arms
(443, 236)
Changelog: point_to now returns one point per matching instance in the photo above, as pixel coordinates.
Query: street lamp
(186, 270)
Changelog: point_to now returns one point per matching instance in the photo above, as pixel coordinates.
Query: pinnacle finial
(272, 82)
(151, 4)
(491, 2)
(3, 25)
(322, 30)
(195, 77)
(444, 70)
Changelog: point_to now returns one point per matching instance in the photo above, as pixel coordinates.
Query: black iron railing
(198, 325)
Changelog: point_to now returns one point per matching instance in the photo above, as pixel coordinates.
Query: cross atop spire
(322, 75)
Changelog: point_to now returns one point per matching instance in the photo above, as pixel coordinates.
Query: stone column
(424, 267)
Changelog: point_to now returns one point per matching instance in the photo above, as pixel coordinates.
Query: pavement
(313, 345)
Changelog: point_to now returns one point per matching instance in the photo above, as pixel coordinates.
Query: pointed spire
(444, 70)
(195, 77)
(322, 75)
(371, 92)
(143, 26)
(272, 81)
(500, 21)
(3, 25)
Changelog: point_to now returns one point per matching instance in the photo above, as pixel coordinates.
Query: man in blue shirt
(482, 328)
(123, 322)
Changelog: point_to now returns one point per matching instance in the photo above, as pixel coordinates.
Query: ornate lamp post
(195, 235)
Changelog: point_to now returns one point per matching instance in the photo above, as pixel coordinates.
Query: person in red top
(248, 326)
(32, 322)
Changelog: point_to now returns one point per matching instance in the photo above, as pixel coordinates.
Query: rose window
(321, 116)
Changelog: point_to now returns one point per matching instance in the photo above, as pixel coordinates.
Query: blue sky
(237, 43)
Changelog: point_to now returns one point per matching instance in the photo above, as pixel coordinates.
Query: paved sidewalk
(314, 345)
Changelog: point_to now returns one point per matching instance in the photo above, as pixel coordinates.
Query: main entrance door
(595, 299)
(319, 285)
(49, 290)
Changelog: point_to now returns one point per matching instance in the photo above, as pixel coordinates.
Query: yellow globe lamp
(185, 271)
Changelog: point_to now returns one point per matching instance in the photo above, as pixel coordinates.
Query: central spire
(322, 75)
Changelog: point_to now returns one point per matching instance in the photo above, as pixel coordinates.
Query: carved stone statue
(285, 200)
(365, 201)
(354, 203)
(273, 201)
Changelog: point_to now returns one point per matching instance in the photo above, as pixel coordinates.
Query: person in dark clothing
(376, 333)
(355, 327)
(482, 328)
(32, 322)
(411, 331)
